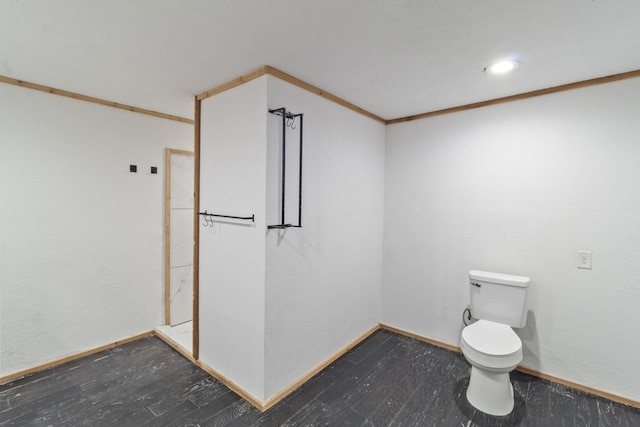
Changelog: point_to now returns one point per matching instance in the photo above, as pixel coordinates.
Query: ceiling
(394, 58)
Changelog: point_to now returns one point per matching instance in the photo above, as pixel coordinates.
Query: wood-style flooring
(387, 380)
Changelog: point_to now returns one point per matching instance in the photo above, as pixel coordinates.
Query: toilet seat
(491, 345)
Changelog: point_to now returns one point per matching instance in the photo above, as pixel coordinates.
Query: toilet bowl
(493, 350)
(499, 302)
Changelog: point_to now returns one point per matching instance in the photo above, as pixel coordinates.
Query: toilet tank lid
(504, 279)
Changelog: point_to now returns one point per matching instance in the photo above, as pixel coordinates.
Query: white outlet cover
(584, 260)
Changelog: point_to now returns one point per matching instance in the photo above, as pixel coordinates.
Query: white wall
(275, 304)
(82, 238)
(519, 188)
(323, 280)
(232, 254)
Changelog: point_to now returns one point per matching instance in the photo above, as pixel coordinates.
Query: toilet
(499, 302)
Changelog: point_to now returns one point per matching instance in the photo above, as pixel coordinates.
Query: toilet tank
(499, 297)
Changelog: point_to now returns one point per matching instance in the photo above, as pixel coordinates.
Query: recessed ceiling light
(502, 66)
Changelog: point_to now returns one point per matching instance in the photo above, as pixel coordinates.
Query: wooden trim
(75, 356)
(300, 381)
(80, 97)
(231, 385)
(233, 83)
(317, 91)
(174, 344)
(196, 231)
(263, 406)
(266, 69)
(578, 386)
(421, 338)
(518, 97)
(313, 89)
(582, 387)
(179, 152)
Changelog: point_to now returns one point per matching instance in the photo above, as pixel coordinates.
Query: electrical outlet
(584, 260)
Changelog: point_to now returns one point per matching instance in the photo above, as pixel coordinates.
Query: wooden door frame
(196, 230)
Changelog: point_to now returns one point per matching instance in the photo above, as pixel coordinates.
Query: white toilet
(499, 302)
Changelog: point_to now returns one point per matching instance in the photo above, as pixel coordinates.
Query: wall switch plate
(133, 168)
(154, 169)
(584, 260)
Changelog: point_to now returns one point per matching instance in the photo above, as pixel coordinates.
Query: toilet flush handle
(477, 285)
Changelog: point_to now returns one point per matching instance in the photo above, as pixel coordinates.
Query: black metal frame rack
(288, 119)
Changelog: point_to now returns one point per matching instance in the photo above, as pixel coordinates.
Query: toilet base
(490, 392)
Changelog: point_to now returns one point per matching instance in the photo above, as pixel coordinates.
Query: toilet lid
(491, 338)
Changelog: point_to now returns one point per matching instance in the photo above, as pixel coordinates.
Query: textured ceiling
(393, 58)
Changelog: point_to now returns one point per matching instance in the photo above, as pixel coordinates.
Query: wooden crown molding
(266, 69)
(518, 97)
(80, 97)
(233, 83)
(313, 89)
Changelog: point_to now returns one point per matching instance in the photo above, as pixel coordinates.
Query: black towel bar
(246, 218)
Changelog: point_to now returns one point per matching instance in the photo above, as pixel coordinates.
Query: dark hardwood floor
(387, 380)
